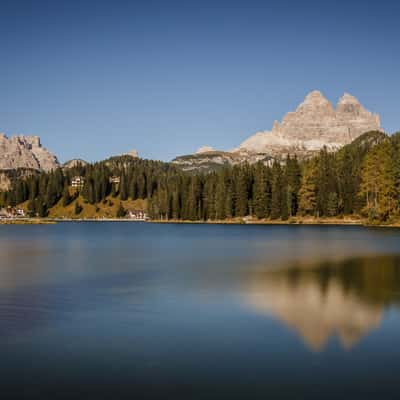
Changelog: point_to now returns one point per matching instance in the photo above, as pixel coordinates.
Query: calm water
(134, 310)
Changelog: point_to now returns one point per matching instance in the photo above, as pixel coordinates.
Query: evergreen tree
(277, 191)
(66, 197)
(293, 179)
(307, 192)
(121, 212)
(260, 191)
(78, 208)
(242, 195)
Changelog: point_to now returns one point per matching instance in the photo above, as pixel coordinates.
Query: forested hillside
(361, 179)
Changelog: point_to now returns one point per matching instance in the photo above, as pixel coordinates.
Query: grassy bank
(106, 209)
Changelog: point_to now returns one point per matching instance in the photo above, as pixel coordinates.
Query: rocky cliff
(76, 162)
(314, 124)
(25, 152)
(214, 160)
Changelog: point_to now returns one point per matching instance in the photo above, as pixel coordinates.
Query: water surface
(136, 310)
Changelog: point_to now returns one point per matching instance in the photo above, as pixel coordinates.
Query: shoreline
(27, 221)
(294, 221)
(236, 221)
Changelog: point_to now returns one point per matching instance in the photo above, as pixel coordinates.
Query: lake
(141, 310)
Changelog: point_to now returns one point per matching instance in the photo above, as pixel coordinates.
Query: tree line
(362, 179)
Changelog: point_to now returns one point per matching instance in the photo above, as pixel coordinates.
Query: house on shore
(137, 215)
(4, 214)
(115, 180)
(11, 212)
(77, 181)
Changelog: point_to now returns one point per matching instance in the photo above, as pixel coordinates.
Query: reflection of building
(77, 181)
(316, 312)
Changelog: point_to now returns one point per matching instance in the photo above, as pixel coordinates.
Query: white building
(137, 215)
(77, 181)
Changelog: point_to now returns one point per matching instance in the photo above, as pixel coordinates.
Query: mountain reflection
(343, 299)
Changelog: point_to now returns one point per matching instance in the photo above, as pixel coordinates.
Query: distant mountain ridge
(313, 125)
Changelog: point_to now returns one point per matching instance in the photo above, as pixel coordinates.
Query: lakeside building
(77, 181)
(115, 180)
(137, 215)
(11, 212)
(4, 214)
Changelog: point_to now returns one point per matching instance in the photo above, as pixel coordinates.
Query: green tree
(307, 192)
(121, 212)
(78, 208)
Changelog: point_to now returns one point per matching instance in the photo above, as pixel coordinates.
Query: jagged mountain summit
(25, 152)
(314, 124)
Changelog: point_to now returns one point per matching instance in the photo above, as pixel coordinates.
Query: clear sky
(97, 78)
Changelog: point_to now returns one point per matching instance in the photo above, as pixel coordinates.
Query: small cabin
(137, 215)
(115, 180)
(20, 212)
(77, 181)
(11, 212)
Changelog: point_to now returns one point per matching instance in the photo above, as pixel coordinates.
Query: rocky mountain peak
(315, 104)
(347, 98)
(313, 125)
(315, 96)
(204, 149)
(74, 163)
(349, 105)
(133, 153)
(25, 152)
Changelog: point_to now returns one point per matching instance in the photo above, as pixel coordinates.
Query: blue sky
(97, 78)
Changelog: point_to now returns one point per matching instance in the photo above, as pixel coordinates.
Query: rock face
(25, 152)
(313, 125)
(74, 163)
(204, 149)
(214, 160)
(132, 153)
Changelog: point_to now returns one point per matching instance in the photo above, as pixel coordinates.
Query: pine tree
(293, 179)
(220, 196)
(121, 212)
(307, 192)
(40, 207)
(66, 197)
(260, 191)
(277, 191)
(332, 205)
(78, 208)
(242, 195)
(123, 191)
